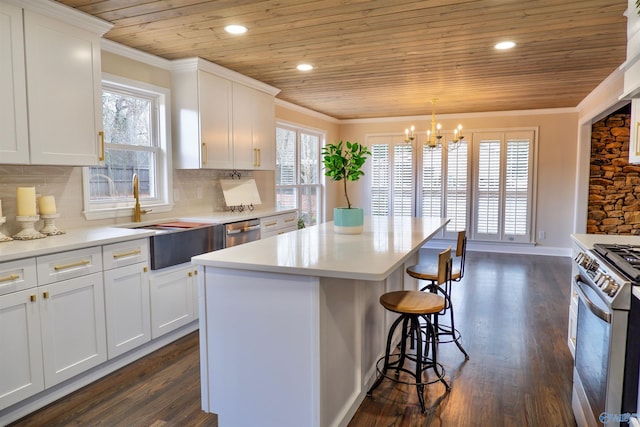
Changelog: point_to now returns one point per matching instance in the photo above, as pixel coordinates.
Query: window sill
(121, 212)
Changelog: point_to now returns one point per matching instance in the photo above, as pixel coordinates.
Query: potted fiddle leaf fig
(343, 161)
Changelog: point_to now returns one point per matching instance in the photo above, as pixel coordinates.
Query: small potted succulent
(343, 161)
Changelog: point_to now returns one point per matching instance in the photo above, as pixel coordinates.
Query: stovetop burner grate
(625, 258)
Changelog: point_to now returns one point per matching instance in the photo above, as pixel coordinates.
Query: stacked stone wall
(614, 184)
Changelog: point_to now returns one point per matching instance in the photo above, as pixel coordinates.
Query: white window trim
(164, 200)
(321, 184)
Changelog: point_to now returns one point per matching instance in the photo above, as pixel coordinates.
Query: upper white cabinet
(51, 107)
(222, 120)
(631, 68)
(14, 144)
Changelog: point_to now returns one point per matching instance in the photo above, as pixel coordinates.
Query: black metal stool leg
(386, 355)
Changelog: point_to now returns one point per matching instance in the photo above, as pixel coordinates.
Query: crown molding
(304, 110)
(65, 14)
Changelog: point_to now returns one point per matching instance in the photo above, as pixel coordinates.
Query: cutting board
(240, 192)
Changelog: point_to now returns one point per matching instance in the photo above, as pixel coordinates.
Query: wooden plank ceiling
(384, 58)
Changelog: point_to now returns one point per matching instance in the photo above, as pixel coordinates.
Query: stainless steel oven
(605, 389)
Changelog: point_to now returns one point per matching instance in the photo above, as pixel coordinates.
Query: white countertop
(73, 239)
(318, 251)
(588, 240)
(93, 236)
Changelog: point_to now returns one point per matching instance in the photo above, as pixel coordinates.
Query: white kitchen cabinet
(254, 129)
(50, 77)
(21, 370)
(223, 120)
(14, 144)
(73, 327)
(71, 300)
(278, 224)
(634, 135)
(126, 293)
(173, 298)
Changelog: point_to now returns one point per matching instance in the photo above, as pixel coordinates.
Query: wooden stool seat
(412, 302)
(429, 271)
(413, 306)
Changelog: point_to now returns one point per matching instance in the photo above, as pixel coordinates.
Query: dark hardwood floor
(512, 311)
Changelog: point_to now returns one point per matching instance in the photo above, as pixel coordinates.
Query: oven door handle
(605, 316)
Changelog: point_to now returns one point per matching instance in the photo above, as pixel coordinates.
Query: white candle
(47, 205)
(26, 201)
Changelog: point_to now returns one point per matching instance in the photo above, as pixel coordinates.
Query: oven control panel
(603, 278)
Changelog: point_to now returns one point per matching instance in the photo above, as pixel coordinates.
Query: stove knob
(611, 289)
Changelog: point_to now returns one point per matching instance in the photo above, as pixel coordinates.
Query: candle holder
(50, 228)
(4, 238)
(28, 231)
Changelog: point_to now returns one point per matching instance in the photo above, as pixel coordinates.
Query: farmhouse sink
(175, 242)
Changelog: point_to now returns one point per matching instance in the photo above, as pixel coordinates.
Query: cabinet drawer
(17, 275)
(276, 222)
(125, 253)
(67, 265)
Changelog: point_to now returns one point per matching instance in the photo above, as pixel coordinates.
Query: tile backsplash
(194, 192)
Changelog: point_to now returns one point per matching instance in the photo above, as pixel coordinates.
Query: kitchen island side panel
(262, 348)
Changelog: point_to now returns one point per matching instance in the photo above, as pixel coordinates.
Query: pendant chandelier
(434, 136)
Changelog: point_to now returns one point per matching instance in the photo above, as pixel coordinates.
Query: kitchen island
(291, 327)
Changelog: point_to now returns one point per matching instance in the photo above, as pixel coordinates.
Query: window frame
(297, 187)
(161, 128)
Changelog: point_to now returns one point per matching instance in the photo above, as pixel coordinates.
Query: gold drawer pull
(9, 278)
(32, 298)
(190, 274)
(45, 294)
(123, 254)
(71, 265)
(270, 224)
(289, 219)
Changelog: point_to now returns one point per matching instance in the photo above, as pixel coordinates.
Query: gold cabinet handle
(129, 253)
(32, 298)
(256, 152)
(289, 219)
(9, 278)
(145, 269)
(71, 265)
(270, 224)
(190, 274)
(101, 158)
(45, 294)
(205, 154)
(195, 272)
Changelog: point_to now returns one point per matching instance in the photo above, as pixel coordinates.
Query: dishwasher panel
(237, 233)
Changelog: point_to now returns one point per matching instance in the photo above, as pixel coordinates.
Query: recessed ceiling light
(304, 67)
(235, 29)
(504, 45)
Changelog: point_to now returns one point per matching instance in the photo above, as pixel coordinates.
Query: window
(135, 124)
(504, 190)
(485, 186)
(298, 171)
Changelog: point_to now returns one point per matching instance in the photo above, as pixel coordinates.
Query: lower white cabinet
(128, 313)
(174, 296)
(126, 294)
(21, 372)
(73, 327)
(278, 224)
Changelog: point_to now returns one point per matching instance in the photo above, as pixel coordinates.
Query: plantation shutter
(380, 180)
(431, 194)
(488, 189)
(457, 187)
(403, 179)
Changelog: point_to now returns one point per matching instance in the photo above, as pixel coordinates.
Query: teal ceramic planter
(348, 221)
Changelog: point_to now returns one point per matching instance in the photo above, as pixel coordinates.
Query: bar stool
(440, 282)
(412, 307)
